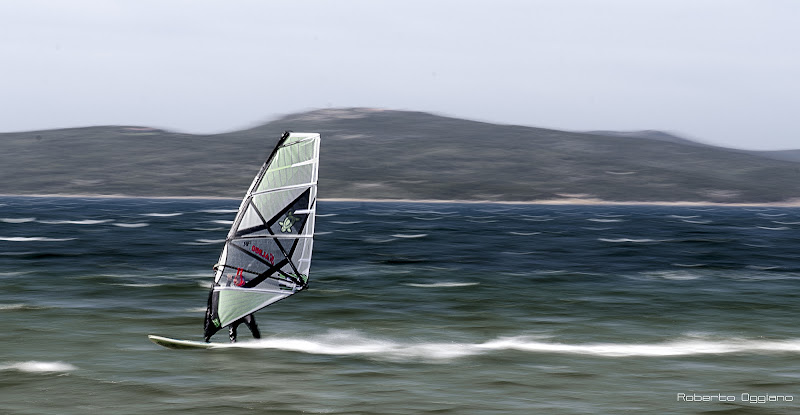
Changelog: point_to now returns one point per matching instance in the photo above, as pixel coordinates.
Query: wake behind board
(182, 344)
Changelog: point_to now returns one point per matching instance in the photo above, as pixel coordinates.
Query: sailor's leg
(250, 320)
(232, 331)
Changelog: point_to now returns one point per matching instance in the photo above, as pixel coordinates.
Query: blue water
(412, 309)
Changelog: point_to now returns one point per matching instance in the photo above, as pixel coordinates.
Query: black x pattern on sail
(302, 201)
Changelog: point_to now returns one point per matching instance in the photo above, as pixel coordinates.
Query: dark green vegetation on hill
(398, 155)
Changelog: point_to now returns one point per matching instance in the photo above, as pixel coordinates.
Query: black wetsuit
(250, 321)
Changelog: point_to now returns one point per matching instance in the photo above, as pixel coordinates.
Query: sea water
(412, 308)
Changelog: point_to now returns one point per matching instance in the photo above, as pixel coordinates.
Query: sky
(723, 72)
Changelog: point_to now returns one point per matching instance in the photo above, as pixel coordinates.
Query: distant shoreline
(544, 202)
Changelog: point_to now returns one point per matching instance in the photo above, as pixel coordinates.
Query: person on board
(249, 320)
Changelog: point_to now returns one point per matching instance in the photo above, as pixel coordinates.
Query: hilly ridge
(382, 154)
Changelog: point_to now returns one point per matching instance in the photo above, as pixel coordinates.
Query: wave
(162, 215)
(629, 240)
(409, 236)
(33, 239)
(76, 222)
(222, 222)
(204, 242)
(378, 241)
(351, 342)
(18, 306)
(605, 220)
(672, 275)
(38, 367)
(219, 210)
(17, 220)
(139, 285)
(524, 233)
(698, 265)
(132, 225)
(773, 228)
(443, 284)
(697, 222)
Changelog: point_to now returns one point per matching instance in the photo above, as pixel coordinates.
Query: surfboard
(182, 344)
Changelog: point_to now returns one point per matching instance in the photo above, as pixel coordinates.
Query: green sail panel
(236, 303)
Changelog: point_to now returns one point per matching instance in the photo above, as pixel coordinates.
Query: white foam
(630, 240)
(132, 225)
(17, 220)
(14, 306)
(682, 347)
(350, 342)
(773, 228)
(204, 242)
(33, 239)
(76, 222)
(410, 236)
(39, 367)
(219, 211)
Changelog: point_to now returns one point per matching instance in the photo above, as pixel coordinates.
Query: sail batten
(267, 252)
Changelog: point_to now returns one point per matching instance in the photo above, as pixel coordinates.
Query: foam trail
(350, 342)
(682, 347)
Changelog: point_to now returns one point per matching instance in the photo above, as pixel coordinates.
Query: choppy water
(413, 309)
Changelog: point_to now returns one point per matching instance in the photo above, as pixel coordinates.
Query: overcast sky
(725, 72)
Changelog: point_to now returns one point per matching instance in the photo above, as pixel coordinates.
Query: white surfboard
(183, 344)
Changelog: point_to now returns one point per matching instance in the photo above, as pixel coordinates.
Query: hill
(380, 154)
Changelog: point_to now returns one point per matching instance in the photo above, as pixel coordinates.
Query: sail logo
(286, 224)
(263, 254)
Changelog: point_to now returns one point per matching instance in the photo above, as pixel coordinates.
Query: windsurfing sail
(267, 253)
